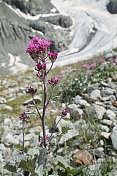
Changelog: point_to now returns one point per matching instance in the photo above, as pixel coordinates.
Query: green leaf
(42, 157)
(28, 165)
(68, 168)
(10, 167)
(16, 174)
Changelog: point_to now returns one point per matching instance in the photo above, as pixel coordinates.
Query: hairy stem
(23, 139)
(44, 109)
(49, 69)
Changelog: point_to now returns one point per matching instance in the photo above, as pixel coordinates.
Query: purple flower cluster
(113, 59)
(53, 81)
(53, 56)
(93, 65)
(42, 140)
(64, 112)
(24, 116)
(40, 66)
(31, 91)
(101, 61)
(93, 59)
(85, 66)
(37, 48)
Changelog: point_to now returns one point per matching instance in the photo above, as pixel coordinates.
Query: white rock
(110, 114)
(2, 100)
(107, 122)
(114, 137)
(7, 122)
(105, 135)
(70, 134)
(10, 138)
(95, 94)
(104, 128)
(83, 103)
(9, 108)
(63, 123)
(77, 98)
(100, 110)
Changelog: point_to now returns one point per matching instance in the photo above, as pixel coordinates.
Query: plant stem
(44, 109)
(23, 138)
(49, 69)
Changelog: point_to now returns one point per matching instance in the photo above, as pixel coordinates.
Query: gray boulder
(114, 137)
(69, 135)
(110, 115)
(112, 6)
(95, 111)
(75, 112)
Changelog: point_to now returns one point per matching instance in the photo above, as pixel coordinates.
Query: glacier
(94, 29)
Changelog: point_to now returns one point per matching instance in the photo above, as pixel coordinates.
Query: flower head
(38, 48)
(90, 74)
(111, 59)
(24, 116)
(93, 65)
(60, 76)
(64, 112)
(31, 90)
(101, 61)
(115, 60)
(53, 81)
(85, 66)
(93, 59)
(52, 56)
(42, 140)
(40, 66)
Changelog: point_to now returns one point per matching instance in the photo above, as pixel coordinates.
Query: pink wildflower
(111, 59)
(40, 74)
(37, 47)
(53, 81)
(115, 60)
(93, 65)
(101, 61)
(42, 140)
(93, 59)
(60, 76)
(52, 56)
(24, 116)
(85, 66)
(40, 66)
(31, 91)
(64, 112)
(90, 74)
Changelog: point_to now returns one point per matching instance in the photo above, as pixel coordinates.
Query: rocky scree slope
(91, 123)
